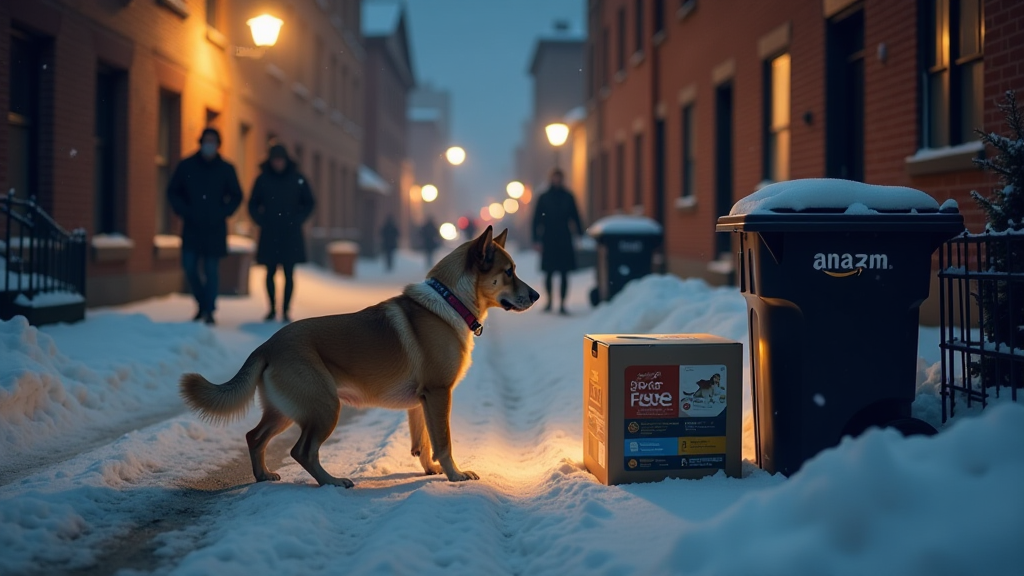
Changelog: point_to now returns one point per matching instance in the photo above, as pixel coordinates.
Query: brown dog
(408, 352)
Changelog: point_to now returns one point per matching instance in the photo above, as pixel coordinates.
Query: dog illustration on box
(708, 389)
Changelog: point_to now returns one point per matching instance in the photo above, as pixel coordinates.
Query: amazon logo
(844, 265)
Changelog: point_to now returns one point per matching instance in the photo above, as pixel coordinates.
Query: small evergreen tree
(1002, 302)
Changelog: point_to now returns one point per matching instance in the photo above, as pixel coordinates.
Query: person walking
(553, 214)
(281, 201)
(204, 192)
(431, 238)
(389, 242)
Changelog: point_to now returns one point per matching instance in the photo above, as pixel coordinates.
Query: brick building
(693, 104)
(429, 117)
(389, 78)
(103, 98)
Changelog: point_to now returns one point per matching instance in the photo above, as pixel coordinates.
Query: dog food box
(661, 406)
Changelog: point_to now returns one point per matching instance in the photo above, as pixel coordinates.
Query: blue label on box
(652, 447)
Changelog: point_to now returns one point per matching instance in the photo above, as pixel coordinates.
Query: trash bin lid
(825, 203)
(625, 225)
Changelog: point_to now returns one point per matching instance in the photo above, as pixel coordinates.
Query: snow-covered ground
(97, 453)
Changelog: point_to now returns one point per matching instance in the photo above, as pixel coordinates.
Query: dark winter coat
(389, 236)
(430, 236)
(204, 193)
(279, 204)
(554, 212)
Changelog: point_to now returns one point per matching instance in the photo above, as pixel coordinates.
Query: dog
(706, 388)
(408, 352)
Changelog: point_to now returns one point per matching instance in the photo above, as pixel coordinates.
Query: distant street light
(515, 189)
(448, 231)
(429, 193)
(485, 214)
(456, 155)
(510, 205)
(497, 211)
(557, 133)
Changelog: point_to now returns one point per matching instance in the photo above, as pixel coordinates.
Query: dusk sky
(480, 51)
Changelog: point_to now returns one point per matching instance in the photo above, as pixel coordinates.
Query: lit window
(776, 134)
(954, 72)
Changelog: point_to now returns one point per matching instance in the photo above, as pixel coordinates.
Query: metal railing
(37, 256)
(981, 298)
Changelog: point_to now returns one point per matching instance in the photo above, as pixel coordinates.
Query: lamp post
(265, 30)
(557, 134)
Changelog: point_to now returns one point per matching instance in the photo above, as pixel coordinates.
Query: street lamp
(510, 205)
(497, 211)
(456, 155)
(429, 193)
(265, 29)
(557, 134)
(515, 189)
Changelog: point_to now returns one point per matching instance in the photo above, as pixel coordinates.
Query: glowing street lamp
(456, 155)
(429, 193)
(448, 231)
(497, 211)
(515, 189)
(485, 214)
(265, 29)
(510, 205)
(557, 133)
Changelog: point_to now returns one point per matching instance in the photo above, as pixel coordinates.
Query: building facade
(694, 104)
(429, 117)
(102, 99)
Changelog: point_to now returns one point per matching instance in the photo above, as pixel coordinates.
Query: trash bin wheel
(912, 427)
(595, 297)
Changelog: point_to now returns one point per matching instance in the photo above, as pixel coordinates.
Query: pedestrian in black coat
(431, 239)
(553, 214)
(389, 242)
(280, 202)
(204, 192)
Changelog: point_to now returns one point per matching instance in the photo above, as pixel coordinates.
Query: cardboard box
(661, 406)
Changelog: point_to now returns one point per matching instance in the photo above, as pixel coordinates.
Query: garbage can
(234, 268)
(625, 251)
(343, 257)
(834, 273)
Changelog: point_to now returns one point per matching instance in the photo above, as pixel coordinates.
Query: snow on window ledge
(111, 247)
(166, 246)
(276, 73)
(216, 38)
(688, 202)
(724, 266)
(637, 58)
(945, 159)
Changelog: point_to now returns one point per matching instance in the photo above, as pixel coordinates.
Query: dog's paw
(431, 469)
(268, 477)
(343, 482)
(462, 476)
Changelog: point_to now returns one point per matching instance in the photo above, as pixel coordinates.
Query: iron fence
(981, 296)
(37, 255)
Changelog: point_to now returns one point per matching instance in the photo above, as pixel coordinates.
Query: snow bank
(832, 194)
(64, 379)
(881, 504)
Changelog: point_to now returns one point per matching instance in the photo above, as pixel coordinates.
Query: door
(723, 163)
(844, 120)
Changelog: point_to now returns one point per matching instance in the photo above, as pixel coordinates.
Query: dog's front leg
(437, 408)
(421, 440)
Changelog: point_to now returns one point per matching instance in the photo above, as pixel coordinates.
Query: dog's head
(497, 284)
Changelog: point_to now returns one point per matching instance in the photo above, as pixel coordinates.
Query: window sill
(337, 117)
(166, 247)
(215, 37)
(604, 92)
(686, 204)
(179, 7)
(685, 10)
(300, 90)
(957, 158)
(620, 76)
(658, 38)
(319, 105)
(637, 58)
(724, 266)
(111, 248)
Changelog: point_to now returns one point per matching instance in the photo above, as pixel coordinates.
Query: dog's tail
(225, 402)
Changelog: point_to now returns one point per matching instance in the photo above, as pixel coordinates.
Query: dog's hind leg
(272, 424)
(421, 441)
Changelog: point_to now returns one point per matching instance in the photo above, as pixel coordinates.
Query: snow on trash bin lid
(833, 195)
(624, 224)
(343, 247)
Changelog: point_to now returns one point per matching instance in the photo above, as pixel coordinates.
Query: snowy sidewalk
(880, 504)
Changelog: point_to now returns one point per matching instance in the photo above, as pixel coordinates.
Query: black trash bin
(625, 251)
(834, 273)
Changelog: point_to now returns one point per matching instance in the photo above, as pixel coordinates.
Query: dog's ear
(500, 238)
(482, 251)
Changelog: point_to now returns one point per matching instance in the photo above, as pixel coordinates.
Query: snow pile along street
(879, 504)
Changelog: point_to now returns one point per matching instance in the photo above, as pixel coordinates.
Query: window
(333, 92)
(605, 60)
(620, 52)
(689, 145)
(211, 13)
(168, 148)
(318, 70)
(620, 175)
(111, 150)
(953, 72)
(591, 79)
(603, 196)
(638, 170)
(776, 118)
(344, 91)
(659, 16)
(299, 158)
(638, 25)
(242, 158)
(23, 115)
